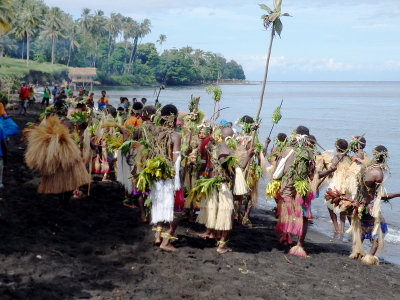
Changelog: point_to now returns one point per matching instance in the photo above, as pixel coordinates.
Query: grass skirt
(290, 216)
(225, 208)
(52, 151)
(162, 198)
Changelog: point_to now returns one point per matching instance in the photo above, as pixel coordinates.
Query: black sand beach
(97, 248)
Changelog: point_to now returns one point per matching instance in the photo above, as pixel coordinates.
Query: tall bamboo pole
(264, 81)
(265, 73)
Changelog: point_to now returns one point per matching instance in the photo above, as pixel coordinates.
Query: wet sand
(97, 248)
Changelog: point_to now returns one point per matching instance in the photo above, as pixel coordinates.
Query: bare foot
(204, 235)
(168, 247)
(223, 250)
(158, 239)
(130, 205)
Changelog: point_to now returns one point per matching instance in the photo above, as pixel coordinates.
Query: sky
(324, 40)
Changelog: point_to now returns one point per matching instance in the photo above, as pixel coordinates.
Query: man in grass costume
(161, 176)
(226, 179)
(253, 171)
(367, 221)
(292, 189)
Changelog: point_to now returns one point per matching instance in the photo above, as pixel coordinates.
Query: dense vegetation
(32, 31)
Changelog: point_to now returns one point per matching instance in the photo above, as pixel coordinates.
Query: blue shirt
(2, 137)
(102, 105)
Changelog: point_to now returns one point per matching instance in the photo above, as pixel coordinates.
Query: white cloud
(373, 26)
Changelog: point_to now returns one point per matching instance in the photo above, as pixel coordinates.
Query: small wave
(393, 236)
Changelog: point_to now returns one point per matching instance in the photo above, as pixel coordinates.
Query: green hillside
(18, 66)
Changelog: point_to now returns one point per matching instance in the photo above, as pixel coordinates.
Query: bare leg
(374, 247)
(334, 220)
(166, 243)
(301, 238)
(159, 229)
(342, 221)
(142, 210)
(223, 241)
(63, 198)
(238, 205)
(246, 220)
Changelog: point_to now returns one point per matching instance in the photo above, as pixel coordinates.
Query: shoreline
(97, 249)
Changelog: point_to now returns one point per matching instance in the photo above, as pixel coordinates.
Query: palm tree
(113, 26)
(6, 14)
(161, 40)
(140, 32)
(85, 19)
(97, 31)
(273, 17)
(19, 32)
(30, 19)
(6, 44)
(71, 35)
(198, 57)
(52, 28)
(130, 28)
(187, 51)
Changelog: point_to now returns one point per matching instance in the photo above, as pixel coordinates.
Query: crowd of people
(178, 165)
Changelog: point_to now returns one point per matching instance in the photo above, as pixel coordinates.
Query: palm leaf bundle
(155, 169)
(203, 187)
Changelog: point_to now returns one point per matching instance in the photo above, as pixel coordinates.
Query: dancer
(218, 190)
(53, 152)
(357, 145)
(135, 119)
(254, 169)
(367, 221)
(295, 168)
(161, 173)
(341, 162)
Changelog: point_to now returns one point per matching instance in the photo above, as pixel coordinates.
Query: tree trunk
(133, 53)
(1, 53)
(109, 45)
(69, 56)
(52, 50)
(23, 49)
(27, 49)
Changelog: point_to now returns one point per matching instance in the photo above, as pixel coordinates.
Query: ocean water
(330, 109)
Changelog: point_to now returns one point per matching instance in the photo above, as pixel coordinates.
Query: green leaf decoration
(79, 117)
(264, 7)
(277, 5)
(278, 26)
(231, 161)
(276, 115)
(216, 92)
(125, 147)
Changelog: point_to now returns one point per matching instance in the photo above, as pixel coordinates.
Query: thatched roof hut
(82, 75)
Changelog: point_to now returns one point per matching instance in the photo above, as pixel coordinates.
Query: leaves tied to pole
(195, 117)
(276, 117)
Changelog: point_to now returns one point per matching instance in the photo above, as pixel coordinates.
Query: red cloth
(179, 201)
(24, 93)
